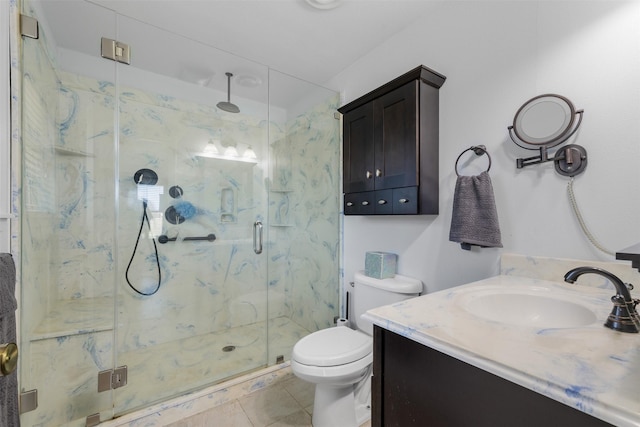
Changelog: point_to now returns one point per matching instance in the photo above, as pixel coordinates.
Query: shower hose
(135, 248)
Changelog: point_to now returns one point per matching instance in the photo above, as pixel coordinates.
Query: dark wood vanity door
(414, 385)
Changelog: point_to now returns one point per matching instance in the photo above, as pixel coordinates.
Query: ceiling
(288, 36)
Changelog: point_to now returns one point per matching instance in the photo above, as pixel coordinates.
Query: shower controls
(176, 192)
(145, 177)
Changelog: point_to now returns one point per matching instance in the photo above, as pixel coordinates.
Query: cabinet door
(358, 149)
(396, 138)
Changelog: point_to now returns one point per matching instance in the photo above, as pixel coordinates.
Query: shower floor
(171, 369)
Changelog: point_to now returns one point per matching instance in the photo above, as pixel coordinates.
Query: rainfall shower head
(227, 105)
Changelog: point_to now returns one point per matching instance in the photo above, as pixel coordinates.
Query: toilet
(338, 360)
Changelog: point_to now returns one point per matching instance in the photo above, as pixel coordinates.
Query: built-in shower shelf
(75, 317)
(63, 151)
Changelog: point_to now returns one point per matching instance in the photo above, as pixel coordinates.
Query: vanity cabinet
(414, 385)
(391, 147)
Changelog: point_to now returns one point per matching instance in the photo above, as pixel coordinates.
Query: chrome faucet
(623, 317)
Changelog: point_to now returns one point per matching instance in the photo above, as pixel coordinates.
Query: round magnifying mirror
(544, 120)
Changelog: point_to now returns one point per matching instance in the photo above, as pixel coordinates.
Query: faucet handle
(629, 286)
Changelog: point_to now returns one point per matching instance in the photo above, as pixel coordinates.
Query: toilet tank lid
(398, 284)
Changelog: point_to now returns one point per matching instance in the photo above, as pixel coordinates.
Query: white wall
(497, 55)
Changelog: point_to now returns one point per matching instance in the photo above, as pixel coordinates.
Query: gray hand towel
(9, 413)
(475, 219)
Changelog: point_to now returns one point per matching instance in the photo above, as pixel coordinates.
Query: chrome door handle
(369, 175)
(403, 200)
(349, 204)
(378, 173)
(257, 237)
(382, 202)
(365, 203)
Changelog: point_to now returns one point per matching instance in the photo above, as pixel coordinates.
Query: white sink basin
(528, 309)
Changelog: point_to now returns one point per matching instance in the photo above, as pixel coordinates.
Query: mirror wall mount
(544, 122)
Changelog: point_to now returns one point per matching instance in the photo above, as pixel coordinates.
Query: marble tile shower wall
(313, 249)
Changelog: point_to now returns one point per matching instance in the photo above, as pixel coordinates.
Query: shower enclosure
(165, 244)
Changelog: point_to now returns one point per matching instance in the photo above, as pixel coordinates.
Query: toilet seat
(332, 347)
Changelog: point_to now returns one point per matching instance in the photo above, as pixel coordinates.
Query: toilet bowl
(337, 360)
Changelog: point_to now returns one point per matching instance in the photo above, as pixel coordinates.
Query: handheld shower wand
(144, 177)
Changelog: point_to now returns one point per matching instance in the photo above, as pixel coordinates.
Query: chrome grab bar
(257, 237)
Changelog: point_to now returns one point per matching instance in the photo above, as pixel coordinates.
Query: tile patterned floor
(286, 404)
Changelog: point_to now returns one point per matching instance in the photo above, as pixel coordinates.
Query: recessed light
(324, 4)
(248, 80)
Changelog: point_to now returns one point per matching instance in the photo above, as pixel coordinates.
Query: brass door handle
(8, 358)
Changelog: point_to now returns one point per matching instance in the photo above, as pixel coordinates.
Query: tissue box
(381, 265)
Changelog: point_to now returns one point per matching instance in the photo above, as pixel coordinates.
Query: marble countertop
(591, 368)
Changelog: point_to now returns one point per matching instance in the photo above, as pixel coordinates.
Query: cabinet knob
(365, 203)
(369, 175)
(378, 173)
(349, 204)
(382, 202)
(404, 200)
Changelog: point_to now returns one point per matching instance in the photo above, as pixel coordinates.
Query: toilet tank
(369, 293)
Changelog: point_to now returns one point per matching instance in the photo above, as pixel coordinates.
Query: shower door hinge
(92, 420)
(29, 27)
(115, 50)
(28, 401)
(112, 379)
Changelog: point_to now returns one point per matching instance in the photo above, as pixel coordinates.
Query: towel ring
(479, 150)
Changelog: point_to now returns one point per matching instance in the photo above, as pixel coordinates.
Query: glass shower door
(67, 222)
(192, 291)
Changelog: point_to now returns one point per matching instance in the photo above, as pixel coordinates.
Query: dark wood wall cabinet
(414, 385)
(391, 147)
